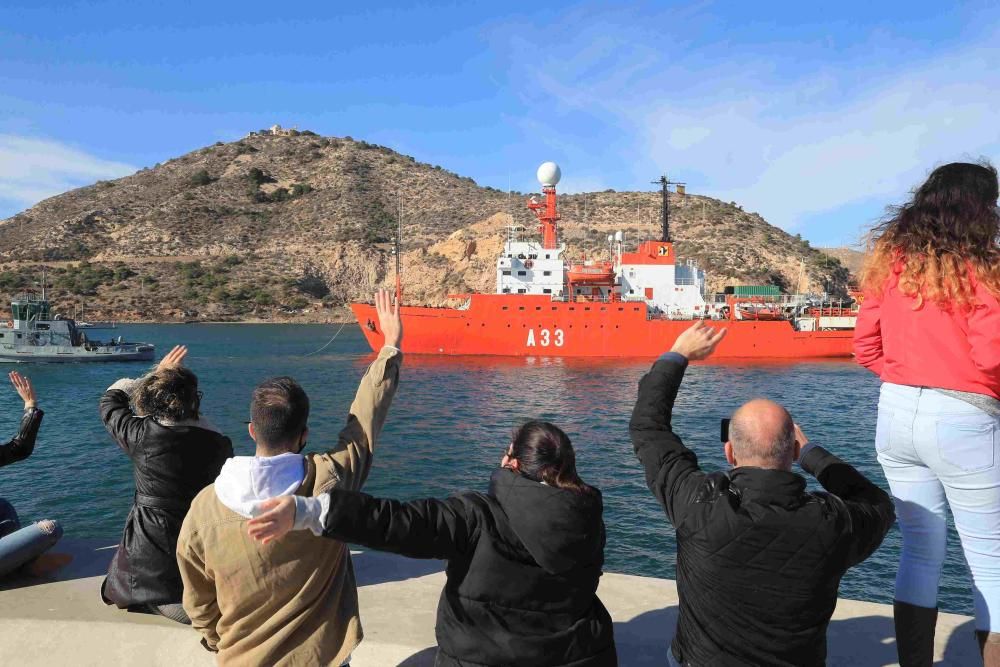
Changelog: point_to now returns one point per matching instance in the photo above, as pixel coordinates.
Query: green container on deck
(753, 290)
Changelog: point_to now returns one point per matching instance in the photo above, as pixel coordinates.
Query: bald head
(762, 434)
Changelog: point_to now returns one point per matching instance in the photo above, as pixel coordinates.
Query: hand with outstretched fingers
(24, 389)
(174, 358)
(277, 519)
(698, 341)
(389, 318)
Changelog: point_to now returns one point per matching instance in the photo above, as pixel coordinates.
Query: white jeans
(938, 452)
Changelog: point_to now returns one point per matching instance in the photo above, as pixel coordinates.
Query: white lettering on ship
(546, 337)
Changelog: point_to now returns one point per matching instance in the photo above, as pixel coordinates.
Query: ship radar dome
(549, 174)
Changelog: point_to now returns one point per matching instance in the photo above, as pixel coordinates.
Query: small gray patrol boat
(32, 335)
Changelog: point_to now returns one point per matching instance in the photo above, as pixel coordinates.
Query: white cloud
(33, 169)
(737, 125)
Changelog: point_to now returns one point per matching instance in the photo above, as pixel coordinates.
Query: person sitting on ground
(759, 559)
(524, 559)
(175, 453)
(929, 327)
(20, 546)
(293, 602)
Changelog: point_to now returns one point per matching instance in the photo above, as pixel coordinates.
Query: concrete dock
(61, 620)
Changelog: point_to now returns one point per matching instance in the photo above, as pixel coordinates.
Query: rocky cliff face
(295, 227)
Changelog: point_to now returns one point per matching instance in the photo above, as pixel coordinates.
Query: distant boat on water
(33, 335)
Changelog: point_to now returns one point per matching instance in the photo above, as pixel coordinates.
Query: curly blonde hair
(941, 243)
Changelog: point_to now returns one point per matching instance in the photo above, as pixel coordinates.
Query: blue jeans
(20, 545)
(936, 451)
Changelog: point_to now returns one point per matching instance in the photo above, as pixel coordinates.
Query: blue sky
(814, 114)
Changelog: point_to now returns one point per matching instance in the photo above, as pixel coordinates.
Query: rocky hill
(294, 226)
(851, 258)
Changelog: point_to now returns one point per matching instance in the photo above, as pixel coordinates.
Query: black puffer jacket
(524, 561)
(759, 560)
(170, 464)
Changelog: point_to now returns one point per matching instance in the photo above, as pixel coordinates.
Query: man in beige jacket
(294, 601)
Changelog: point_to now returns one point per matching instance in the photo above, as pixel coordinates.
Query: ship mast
(664, 183)
(548, 175)
(399, 252)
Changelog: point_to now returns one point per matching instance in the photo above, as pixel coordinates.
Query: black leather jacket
(759, 559)
(171, 464)
(23, 443)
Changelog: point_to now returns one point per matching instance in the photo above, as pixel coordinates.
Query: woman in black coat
(524, 559)
(175, 453)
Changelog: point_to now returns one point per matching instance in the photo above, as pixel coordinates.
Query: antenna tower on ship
(548, 175)
(665, 184)
(399, 251)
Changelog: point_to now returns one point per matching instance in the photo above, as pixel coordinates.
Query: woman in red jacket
(930, 328)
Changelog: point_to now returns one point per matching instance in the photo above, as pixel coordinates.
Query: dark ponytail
(545, 454)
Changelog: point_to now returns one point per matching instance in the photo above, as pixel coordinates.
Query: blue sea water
(448, 428)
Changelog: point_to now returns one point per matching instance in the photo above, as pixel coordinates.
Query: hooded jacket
(171, 463)
(293, 601)
(524, 561)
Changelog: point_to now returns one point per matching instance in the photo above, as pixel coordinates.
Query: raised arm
(870, 508)
(352, 456)
(120, 421)
(431, 528)
(199, 599)
(868, 334)
(23, 443)
(672, 471)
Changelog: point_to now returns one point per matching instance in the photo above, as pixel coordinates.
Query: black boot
(915, 628)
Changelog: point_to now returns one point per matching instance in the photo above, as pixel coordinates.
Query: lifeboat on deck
(585, 273)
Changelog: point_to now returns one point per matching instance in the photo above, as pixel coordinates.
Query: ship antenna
(399, 249)
(664, 183)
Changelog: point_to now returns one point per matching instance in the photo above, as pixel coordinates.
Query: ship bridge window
(546, 273)
(507, 272)
(522, 291)
(546, 291)
(532, 256)
(506, 290)
(522, 273)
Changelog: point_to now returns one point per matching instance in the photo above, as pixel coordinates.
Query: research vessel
(633, 304)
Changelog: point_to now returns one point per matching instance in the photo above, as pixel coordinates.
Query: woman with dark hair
(175, 453)
(20, 545)
(524, 559)
(930, 328)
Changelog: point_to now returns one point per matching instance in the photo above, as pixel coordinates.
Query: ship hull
(74, 355)
(531, 326)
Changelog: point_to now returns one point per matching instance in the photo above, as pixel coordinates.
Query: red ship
(633, 305)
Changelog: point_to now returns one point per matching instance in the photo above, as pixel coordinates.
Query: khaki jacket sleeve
(351, 458)
(199, 600)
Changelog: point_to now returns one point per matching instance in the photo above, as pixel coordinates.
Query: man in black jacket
(759, 559)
